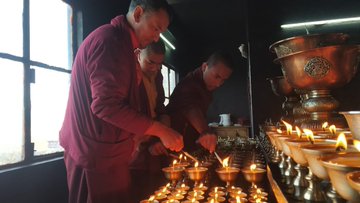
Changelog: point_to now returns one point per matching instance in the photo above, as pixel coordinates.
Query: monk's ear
(138, 12)
(203, 66)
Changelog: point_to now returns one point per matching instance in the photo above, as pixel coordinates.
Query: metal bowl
(280, 86)
(353, 120)
(321, 68)
(301, 43)
(354, 180)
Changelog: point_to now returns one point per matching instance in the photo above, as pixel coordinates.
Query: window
(169, 82)
(35, 63)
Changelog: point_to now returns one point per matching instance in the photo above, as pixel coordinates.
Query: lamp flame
(226, 162)
(288, 127)
(298, 131)
(238, 199)
(196, 164)
(151, 198)
(325, 125)
(278, 130)
(174, 162)
(357, 145)
(193, 200)
(252, 167)
(341, 143)
(212, 201)
(332, 129)
(309, 135)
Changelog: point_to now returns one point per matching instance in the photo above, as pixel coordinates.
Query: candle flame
(298, 131)
(196, 164)
(216, 189)
(226, 162)
(180, 156)
(212, 201)
(167, 185)
(332, 129)
(164, 189)
(258, 200)
(341, 143)
(309, 135)
(279, 130)
(174, 162)
(325, 125)
(185, 158)
(193, 200)
(151, 198)
(288, 127)
(216, 196)
(357, 145)
(201, 185)
(182, 185)
(238, 199)
(258, 191)
(195, 193)
(252, 167)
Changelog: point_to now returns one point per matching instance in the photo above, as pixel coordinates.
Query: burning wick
(332, 129)
(288, 127)
(298, 132)
(357, 145)
(174, 163)
(309, 135)
(324, 125)
(341, 143)
(253, 167)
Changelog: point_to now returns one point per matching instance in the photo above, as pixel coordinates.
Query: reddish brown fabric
(190, 93)
(104, 108)
(142, 159)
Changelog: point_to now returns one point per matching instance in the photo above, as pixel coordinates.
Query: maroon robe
(189, 94)
(103, 114)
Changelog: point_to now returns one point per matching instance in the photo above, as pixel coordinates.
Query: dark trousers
(110, 184)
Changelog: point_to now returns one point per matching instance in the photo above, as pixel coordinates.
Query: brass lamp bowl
(280, 86)
(354, 180)
(353, 120)
(285, 147)
(278, 144)
(314, 152)
(320, 68)
(296, 153)
(300, 43)
(173, 173)
(338, 165)
(254, 176)
(228, 174)
(196, 173)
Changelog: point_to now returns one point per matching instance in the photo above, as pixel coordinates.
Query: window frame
(170, 67)
(29, 77)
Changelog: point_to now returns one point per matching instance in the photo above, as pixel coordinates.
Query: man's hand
(208, 141)
(157, 149)
(169, 137)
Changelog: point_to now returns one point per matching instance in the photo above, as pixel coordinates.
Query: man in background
(191, 98)
(147, 161)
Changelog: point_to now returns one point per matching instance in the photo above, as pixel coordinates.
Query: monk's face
(215, 75)
(150, 62)
(149, 25)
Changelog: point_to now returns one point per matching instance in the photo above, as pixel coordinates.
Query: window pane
(164, 72)
(12, 112)
(11, 35)
(50, 33)
(172, 78)
(48, 102)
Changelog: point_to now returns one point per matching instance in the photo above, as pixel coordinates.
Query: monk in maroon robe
(104, 109)
(191, 98)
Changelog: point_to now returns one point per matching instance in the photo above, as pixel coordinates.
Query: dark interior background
(200, 27)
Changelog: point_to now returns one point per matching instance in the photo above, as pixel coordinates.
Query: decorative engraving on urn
(317, 67)
(283, 50)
